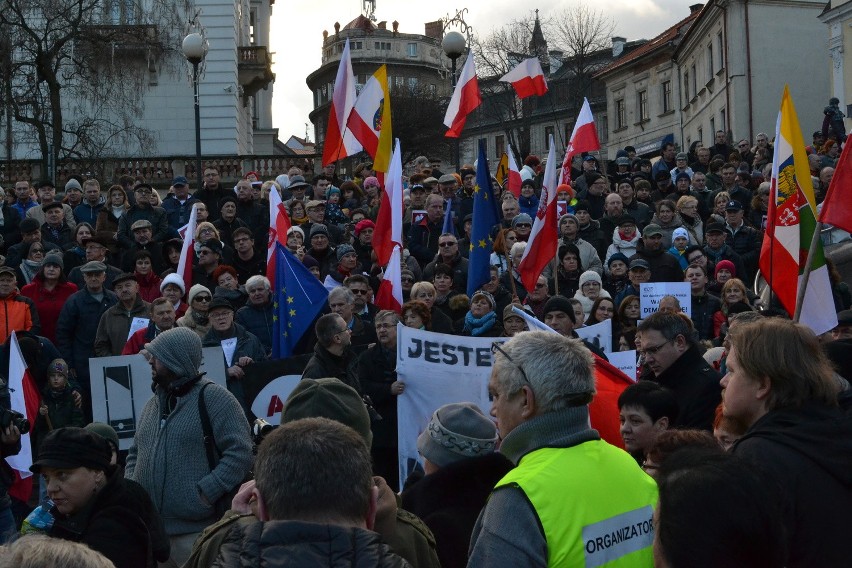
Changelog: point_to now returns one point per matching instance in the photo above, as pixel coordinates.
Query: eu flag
(298, 297)
(484, 219)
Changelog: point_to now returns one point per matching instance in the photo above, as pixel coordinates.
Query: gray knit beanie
(457, 431)
(179, 349)
(196, 290)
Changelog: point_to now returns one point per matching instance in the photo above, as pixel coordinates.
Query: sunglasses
(360, 292)
(203, 298)
(447, 245)
(527, 225)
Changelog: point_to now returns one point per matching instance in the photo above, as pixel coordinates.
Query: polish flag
(339, 142)
(187, 250)
(465, 99)
(541, 246)
(584, 138)
(389, 296)
(25, 398)
(837, 207)
(527, 78)
(388, 231)
(514, 183)
(279, 224)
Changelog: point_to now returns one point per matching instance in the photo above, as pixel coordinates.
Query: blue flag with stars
(298, 297)
(484, 219)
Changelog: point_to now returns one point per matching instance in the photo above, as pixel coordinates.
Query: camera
(260, 429)
(12, 418)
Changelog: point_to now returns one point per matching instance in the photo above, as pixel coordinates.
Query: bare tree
(417, 118)
(75, 71)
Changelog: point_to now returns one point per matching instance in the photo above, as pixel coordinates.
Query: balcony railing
(255, 69)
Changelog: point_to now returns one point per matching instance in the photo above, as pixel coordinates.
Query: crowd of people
(734, 392)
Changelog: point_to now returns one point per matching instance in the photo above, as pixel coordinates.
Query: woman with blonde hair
(735, 300)
(426, 293)
(687, 209)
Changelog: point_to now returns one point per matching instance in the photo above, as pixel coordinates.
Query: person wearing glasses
(670, 355)
(209, 259)
(196, 317)
(448, 254)
(333, 355)
(541, 386)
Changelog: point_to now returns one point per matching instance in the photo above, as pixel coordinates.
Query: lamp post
(453, 45)
(194, 49)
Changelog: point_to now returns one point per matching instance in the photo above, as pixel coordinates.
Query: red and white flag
(388, 230)
(339, 142)
(541, 246)
(584, 138)
(514, 182)
(25, 399)
(279, 224)
(389, 296)
(465, 99)
(837, 207)
(527, 78)
(370, 120)
(187, 251)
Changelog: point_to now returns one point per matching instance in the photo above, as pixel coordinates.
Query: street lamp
(453, 45)
(194, 49)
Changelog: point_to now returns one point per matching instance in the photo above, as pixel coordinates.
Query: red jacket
(48, 302)
(149, 286)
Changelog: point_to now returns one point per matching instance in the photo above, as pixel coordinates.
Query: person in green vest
(572, 499)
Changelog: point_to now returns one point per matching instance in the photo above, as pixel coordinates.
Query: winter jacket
(280, 544)
(149, 285)
(746, 242)
(460, 269)
(593, 235)
(158, 263)
(807, 452)
(61, 412)
(188, 321)
(423, 240)
(61, 236)
(668, 228)
(18, 313)
(85, 213)
(10, 232)
(168, 446)
(154, 214)
(695, 227)
(725, 253)
(640, 212)
(255, 266)
(664, 267)
(695, 385)
(76, 276)
(37, 213)
(257, 320)
(325, 364)
(114, 327)
(703, 309)
(528, 205)
(177, 213)
(625, 247)
(120, 523)
(48, 303)
(587, 302)
(247, 346)
(589, 258)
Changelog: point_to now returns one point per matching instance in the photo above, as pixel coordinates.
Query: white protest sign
(121, 386)
(136, 325)
(599, 335)
(625, 361)
(651, 293)
(229, 347)
(437, 369)
(278, 390)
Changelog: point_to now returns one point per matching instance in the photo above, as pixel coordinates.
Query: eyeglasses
(360, 292)
(495, 347)
(447, 245)
(203, 298)
(652, 350)
(406, 279)
(204, 252)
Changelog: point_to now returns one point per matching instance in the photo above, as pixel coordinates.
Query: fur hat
(173, 278)
(455, 432)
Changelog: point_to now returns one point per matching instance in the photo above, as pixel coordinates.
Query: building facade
(837, 16)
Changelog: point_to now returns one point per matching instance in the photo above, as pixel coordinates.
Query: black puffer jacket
(280, 544)
(325, 364)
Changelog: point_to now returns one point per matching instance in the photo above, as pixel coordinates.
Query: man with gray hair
(601, 510)
(256, 316)
(341, 301)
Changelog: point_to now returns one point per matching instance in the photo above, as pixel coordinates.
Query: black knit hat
(560, 304)
(70, 448)
(218, 303)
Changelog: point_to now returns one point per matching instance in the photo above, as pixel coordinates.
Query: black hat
(219, 302)
(212, 244)
(122, 277)
(560, 304)
(70, 448)
(715, 228)
(626, 220)
(29, 225)
(734, 205)
(51, 205)
(45, 183)
(227, 199)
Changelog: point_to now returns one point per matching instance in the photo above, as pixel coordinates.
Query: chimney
(695, 8)
(618, 46)
(435, 30)
(383, 25)
(336, 28)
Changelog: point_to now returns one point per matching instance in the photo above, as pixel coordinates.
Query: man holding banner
(541, 385)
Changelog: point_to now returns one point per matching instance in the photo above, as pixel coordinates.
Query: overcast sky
(297, 27)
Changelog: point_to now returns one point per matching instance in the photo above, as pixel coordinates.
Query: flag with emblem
(299, 297)
(790, 226)
(484, 219)
(543, 239)
(370, 120)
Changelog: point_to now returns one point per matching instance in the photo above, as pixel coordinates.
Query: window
(722, 118)
(398, 83)
(499, 146)
(548, 132)
(642, 97)
(710, 68)
(685, 88)
(356, 45)
(252, 27)
(433, 89)
(121, 12)
(412, 49)
(700, 134)
(620, 117)
(713, 127)
(603, 129)
(694, 81)
(667, 96)
(383, 45)
(720, 48)
(412, 85)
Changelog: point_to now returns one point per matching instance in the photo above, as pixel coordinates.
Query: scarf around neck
(478, 326)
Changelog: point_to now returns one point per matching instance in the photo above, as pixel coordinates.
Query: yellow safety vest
(594, 502)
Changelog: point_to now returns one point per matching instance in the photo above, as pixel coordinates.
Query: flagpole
(806, 275)
(512, 276)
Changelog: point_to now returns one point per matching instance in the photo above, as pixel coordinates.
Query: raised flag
(370, 119)
(514, 183)
(837, 207)
(449, 225)
(584, 138)
(465, 99)
(541, 246)
(484, 218)
(388, 231)
(279, 224)
(24, 398)
(187, 251)
(339, 141)
(298, 297)
(389, 296)
(790, 226)
(527, 78)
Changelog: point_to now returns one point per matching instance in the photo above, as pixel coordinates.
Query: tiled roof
(658, 42)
